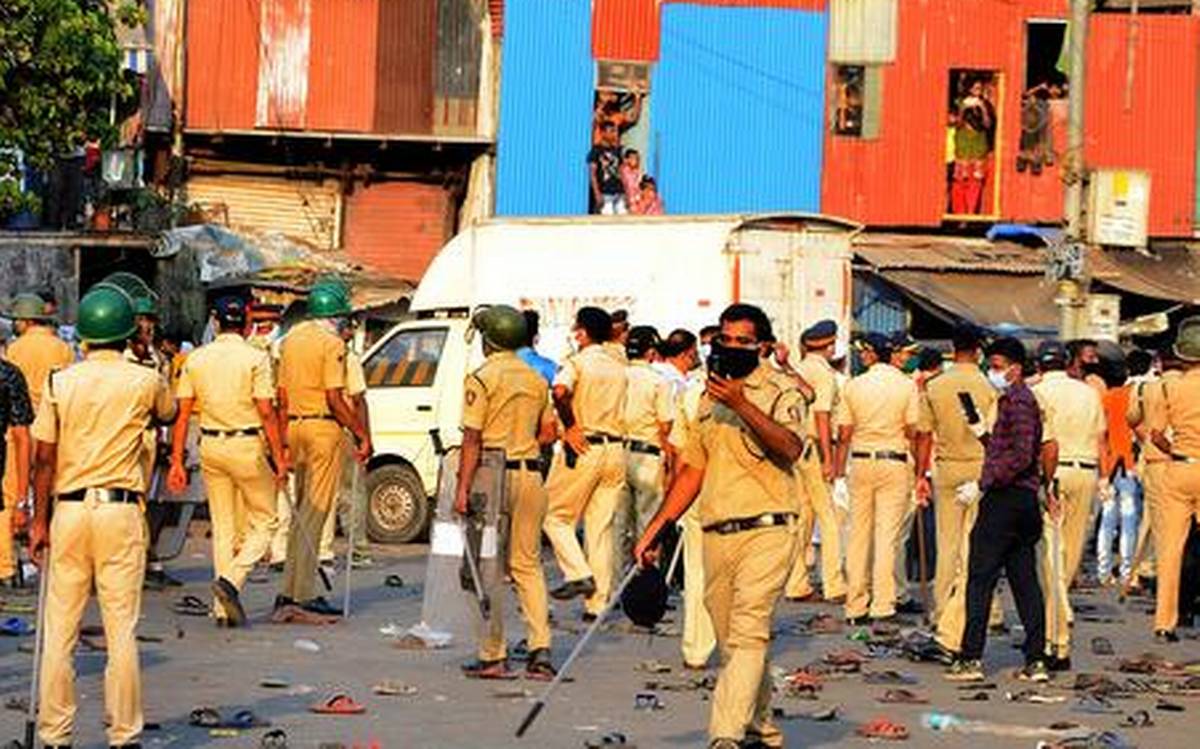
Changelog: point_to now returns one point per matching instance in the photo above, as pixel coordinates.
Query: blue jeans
(1122, 512)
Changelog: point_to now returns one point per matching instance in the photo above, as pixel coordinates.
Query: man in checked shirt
(1009, 524)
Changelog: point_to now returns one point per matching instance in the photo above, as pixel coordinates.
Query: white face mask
(998, 379)
(705, 350)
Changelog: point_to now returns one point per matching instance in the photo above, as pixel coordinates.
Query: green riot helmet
(502, 327)
(105, 315)
(28, 307)
(328, 300)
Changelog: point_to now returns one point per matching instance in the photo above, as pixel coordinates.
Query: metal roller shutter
(299, 209)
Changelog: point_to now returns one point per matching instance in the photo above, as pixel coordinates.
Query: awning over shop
(1170, 273)
(998, 285)
(1012, 302)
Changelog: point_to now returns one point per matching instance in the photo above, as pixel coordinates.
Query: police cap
(820, 334)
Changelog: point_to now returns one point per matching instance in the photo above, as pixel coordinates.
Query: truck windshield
(408, 359)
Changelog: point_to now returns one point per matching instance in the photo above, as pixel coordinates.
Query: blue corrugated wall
(546, 93)
(739, 99)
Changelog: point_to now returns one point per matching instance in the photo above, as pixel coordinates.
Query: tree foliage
(60, 76)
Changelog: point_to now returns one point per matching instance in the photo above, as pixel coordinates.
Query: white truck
(670, 272)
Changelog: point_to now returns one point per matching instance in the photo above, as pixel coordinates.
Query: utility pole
(1072, 293)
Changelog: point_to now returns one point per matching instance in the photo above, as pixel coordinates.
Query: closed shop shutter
(397, 227)
(862, 31)
(299, 209)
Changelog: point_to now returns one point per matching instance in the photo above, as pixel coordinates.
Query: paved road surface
(197, 664)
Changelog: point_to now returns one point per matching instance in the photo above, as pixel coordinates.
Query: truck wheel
(397, 508)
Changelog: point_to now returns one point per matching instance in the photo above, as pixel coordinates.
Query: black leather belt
(1184, 459)
(1085, 465)
(637, 446)
(529, 464)
(737, 525)
(311, 417)
(880, 455)
(109, 496)
(252, 432)
(602, 439)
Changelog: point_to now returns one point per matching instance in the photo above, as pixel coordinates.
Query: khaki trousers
(879, 499)
(283, 526)
(240, 484)
(951, 616)
(824, 514)
(316, 456)
(640, 498)
(8, 556)
(699, 640)
(1077, 490)
(745, 575)
(1054, 590)
(1153, 478)
(524, 515)
(954, 522)
(900, 566)
(1180, 509)
(589, 491)
(101, 545)
(351, 506)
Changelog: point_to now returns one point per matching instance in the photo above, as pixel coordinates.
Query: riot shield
(452, 602)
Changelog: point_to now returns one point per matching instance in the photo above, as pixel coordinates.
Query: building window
(858, 99)
(619, 167)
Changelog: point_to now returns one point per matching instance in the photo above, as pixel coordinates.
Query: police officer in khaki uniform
(815, 470)
(1073, 416)
(506, 405)
(311, 393)
(1154, 462)
(229, 381)
(352, 497)
(1174, 420)
(738, 461)
(89, 431)
(950, 443)
(875, 428)
(649, 411)
(36, 352)
(588, 475)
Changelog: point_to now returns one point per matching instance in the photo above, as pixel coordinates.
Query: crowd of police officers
(722, 435)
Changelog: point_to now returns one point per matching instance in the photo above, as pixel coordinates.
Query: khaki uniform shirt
(1178, 410)
(820, 376)
(1146, 397)
(740, 479)
(879, 404)
(507, 401)
(647, 403)
(97, 412)
(356, 379)
(1072, 415)
(687, 407)
(312, 360)
(941, 412)
(226, 377)
(596, 381)
(37, 353)
(616, 351)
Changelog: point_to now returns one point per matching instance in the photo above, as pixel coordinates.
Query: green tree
(60, 80)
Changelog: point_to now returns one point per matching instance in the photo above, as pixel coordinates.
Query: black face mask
(1091, 368)
(732, 363)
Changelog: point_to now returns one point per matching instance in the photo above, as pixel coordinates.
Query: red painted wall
(625, 30)
(898, 179)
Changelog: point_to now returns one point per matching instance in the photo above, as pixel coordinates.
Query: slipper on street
(489, 670)
(902, 697)
(1102, 646)
(614, 738)
(274, 739)
(393, 581)
(889, 678)
(274, 682)
(15, 626)
(338, 704)
(244, 719)
(390, 688)
(205, 717)
(882, 728)
(1138, 719)
(17, 607)
(1169, 707)
(190, 605)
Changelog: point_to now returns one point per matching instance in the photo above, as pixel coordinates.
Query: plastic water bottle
(941, 721)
